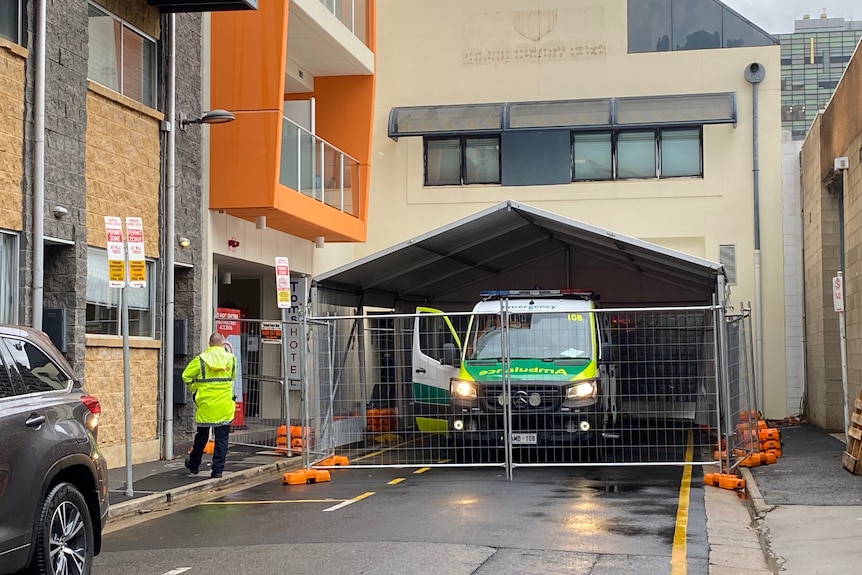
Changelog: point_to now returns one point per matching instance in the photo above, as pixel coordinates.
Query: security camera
(60, 211)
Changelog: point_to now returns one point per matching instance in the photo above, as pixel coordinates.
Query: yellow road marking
(422, 470)
(350, 501)
(273, 501)
(396, 481)
(388, 448)
(680, 549)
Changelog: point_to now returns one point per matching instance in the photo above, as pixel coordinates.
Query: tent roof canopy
(514, 246)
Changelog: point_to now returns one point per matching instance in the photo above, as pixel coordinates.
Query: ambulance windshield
(532, 336)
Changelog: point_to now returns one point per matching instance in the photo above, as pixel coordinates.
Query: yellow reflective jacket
(210, 378)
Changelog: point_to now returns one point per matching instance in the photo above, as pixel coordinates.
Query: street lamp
(211, 117)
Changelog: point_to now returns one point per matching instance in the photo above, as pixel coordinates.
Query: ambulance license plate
(524, 439)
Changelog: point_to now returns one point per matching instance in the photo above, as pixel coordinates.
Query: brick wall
(11, 135)
(123, 166)
(103, 372)
(821, 254)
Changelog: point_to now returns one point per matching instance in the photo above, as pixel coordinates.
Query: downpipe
(754, 74)
(38, 293)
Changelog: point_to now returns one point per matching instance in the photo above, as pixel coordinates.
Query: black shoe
(215, 474)
(188, 465)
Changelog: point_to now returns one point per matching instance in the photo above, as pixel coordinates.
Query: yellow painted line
(350, 501)
(680, 548)
(396, 481)
(421, 470)
(272, 501)
(388, 447)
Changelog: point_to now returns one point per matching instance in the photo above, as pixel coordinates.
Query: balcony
(167, 6)
(351, 13)
(284, 59)
(317, 169)
(326, 38)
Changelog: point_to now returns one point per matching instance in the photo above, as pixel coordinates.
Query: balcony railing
(351, 13)
(317, 169)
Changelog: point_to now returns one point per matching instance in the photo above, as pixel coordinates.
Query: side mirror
(607, 352)
(450, 354)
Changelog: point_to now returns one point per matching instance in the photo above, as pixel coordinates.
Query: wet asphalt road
(450, 521)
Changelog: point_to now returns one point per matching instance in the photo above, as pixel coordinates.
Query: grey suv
(53, 479)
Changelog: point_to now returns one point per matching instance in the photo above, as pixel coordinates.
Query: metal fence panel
(379, 387)
(261, 411)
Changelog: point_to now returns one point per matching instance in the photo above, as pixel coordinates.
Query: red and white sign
(137, 261)
(838, 293)
(116, 252)
(282, 283)
(227, 321)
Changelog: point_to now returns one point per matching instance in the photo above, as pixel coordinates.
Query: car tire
(65, 541)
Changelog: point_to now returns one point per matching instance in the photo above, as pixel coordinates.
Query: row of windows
(103, 302)
(662, 25)
(610, 155)
(121, 58)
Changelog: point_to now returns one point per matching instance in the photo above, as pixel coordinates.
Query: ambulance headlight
(583, 390)
(463, 389)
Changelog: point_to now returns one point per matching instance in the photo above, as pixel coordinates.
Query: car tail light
(92, 404)
(95, 408)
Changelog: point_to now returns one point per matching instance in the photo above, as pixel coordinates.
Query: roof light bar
(510, 293)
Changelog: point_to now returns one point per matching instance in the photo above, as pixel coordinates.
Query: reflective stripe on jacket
(210, 378)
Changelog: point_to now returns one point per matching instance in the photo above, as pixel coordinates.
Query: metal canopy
(512, 245)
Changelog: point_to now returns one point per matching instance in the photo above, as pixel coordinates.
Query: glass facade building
(813, 59)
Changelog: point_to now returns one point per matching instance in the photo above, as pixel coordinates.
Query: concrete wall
(693, 214)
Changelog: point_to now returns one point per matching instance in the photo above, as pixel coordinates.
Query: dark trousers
(221, 433)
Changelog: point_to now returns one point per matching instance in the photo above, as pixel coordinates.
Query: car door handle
(420, 370)
(35, 420)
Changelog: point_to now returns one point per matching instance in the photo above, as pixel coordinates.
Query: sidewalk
(159, 484)
(808, 507)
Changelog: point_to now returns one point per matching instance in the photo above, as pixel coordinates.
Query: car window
(6, 387)
(38, 373)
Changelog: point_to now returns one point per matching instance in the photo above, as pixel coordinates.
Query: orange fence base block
(770, 434)
(752, 460)
(303, 476)
(724, 480)
(335, 460)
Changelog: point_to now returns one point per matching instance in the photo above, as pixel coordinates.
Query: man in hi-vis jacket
(210, 378)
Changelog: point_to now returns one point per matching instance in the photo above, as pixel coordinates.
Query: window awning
(591, 114)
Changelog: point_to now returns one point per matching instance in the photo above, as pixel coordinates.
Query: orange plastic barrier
(303, 476)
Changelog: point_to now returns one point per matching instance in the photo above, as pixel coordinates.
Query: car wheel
(64, 545)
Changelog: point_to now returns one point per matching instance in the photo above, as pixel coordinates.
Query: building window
(660, 153)
(791, 112)
(663, 25)
(462, 161)
(8, 278)
(103, 302)
(680, 153)
(121, 58)
(636, 155)
(593, 156)
(10, 20)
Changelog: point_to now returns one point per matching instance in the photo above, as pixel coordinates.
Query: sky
(777, 16)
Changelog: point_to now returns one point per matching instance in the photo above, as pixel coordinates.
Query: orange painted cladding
(247, 78)
(248, 57)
